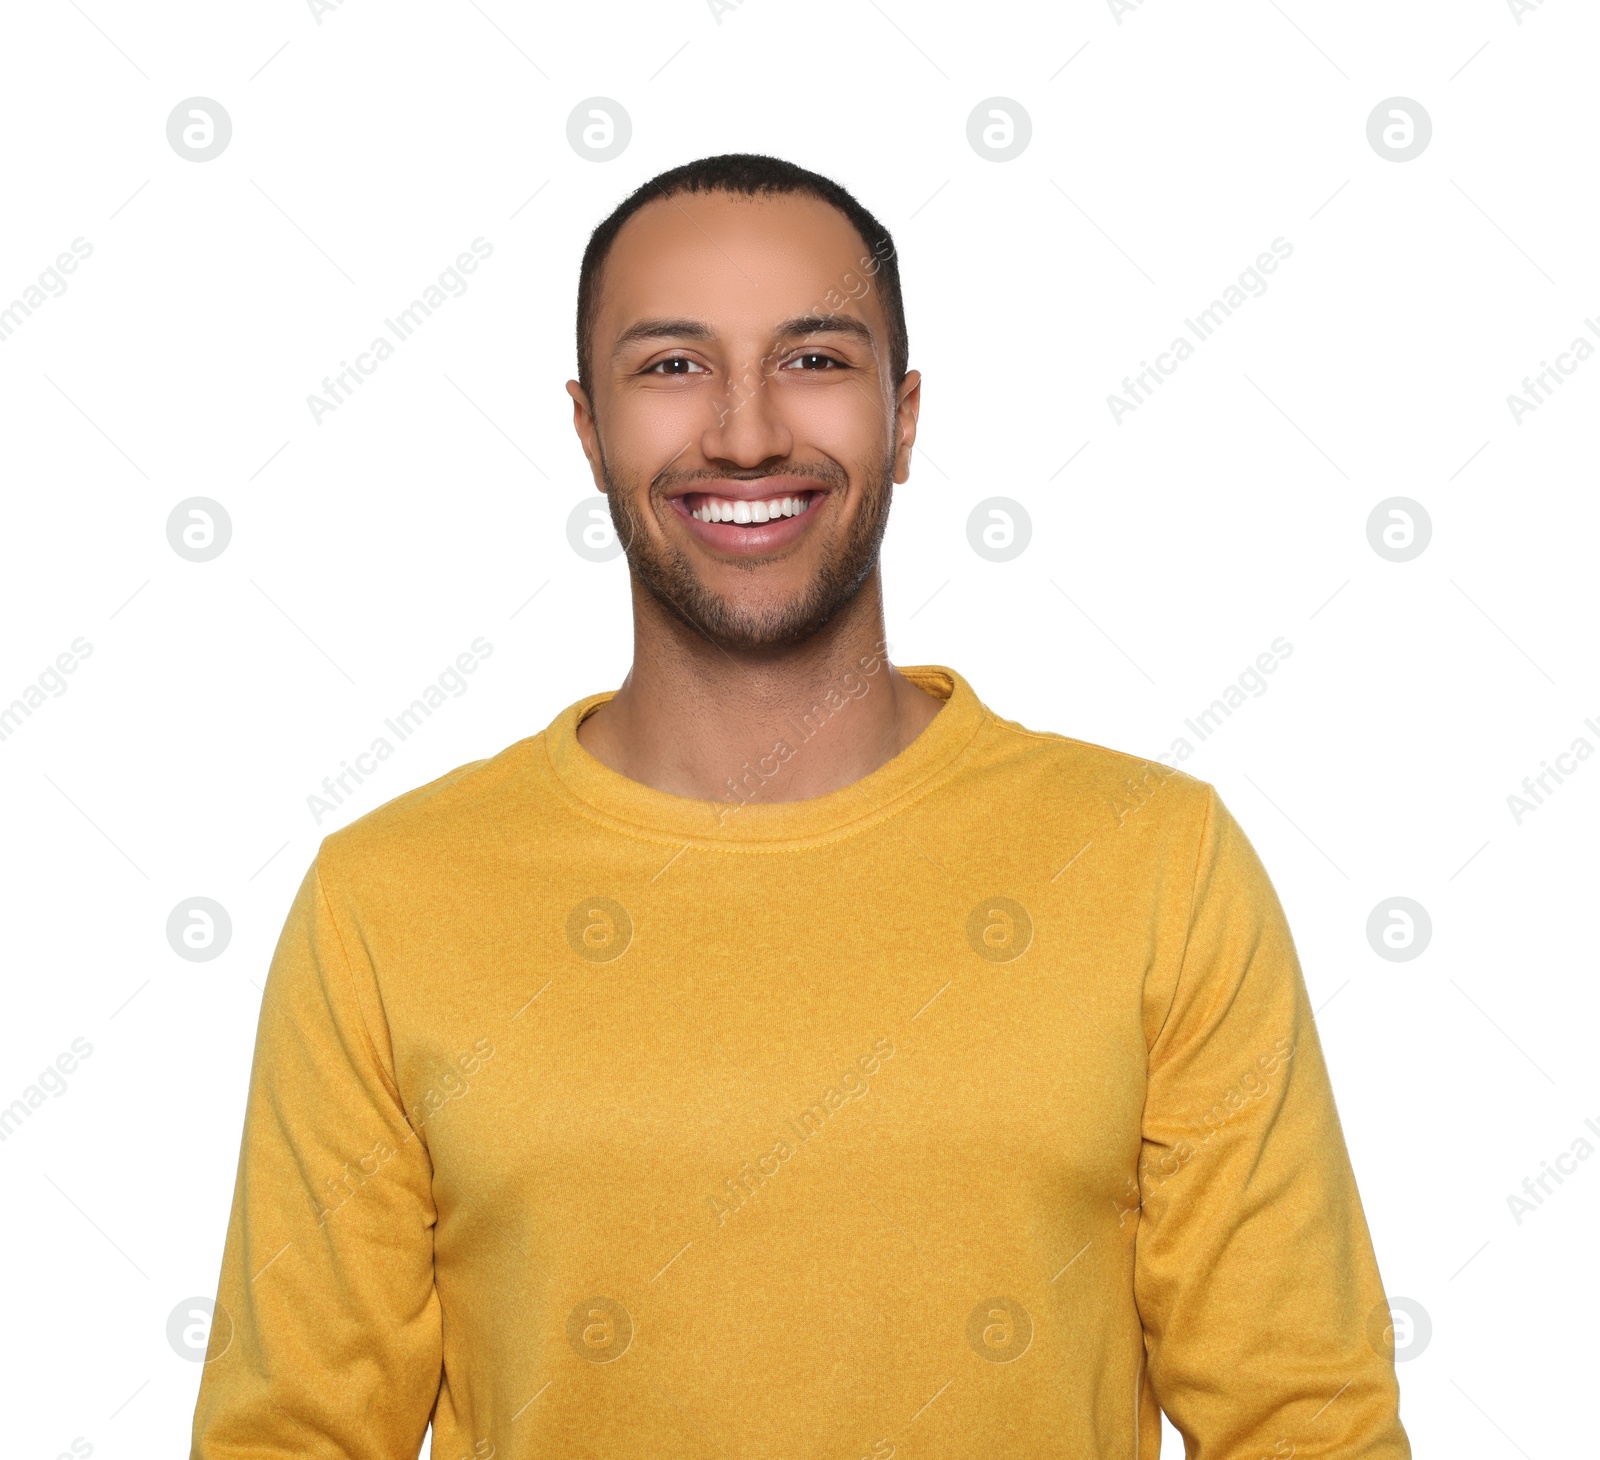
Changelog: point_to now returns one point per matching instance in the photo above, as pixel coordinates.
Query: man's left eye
(826, 359)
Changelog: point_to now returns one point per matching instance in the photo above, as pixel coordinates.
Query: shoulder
(1057, 771)
(447, 822)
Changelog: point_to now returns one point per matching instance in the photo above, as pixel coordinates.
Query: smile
(706, 508)
(746, 526)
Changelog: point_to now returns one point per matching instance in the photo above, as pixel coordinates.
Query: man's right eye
(672, 360)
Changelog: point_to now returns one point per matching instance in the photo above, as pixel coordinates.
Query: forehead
(734, 261)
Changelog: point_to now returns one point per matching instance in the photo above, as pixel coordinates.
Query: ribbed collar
(615, 800)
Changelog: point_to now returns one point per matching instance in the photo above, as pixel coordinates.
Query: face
(744, 426)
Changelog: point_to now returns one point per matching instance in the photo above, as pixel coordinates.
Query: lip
(758, 538)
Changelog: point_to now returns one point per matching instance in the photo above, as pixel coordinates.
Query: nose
(747, 426)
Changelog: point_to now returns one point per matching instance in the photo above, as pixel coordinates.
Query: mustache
(825, 473)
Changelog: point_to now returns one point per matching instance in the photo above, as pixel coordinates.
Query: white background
(1170, 146)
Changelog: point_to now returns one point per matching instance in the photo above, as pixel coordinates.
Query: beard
(670, 578)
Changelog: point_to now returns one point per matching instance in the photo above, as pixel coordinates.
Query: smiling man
(783, 1054)
(748, 461)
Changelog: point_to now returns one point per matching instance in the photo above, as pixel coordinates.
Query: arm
(326, 1340)
(1254, 1271)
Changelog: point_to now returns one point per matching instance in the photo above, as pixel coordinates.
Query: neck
(782, 724)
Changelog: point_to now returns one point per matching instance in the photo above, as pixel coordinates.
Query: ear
(908, 402)
(583, 422)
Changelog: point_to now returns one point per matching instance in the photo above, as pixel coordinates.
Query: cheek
(641, 430)
(847, 425)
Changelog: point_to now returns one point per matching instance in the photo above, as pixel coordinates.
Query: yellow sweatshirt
(974, 1109)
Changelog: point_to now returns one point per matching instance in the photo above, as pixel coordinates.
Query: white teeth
(721, 509)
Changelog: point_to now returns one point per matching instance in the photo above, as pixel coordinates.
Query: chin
(744, 626)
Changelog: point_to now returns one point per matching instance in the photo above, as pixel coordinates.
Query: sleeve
(1263, 1311)
(326, 1339)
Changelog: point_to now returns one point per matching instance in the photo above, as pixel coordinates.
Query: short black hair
(749, 174)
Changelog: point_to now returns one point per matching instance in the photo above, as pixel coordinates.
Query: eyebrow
(799, 327)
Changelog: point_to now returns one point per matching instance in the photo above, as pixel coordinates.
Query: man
(785, 1055)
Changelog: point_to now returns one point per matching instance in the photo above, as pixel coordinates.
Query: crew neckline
(605, 795)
